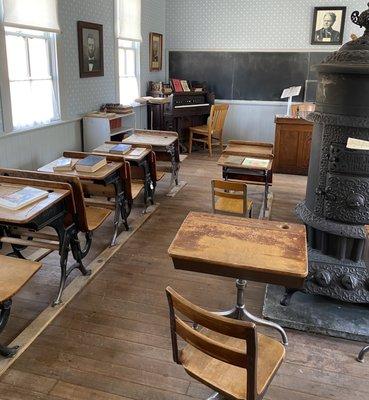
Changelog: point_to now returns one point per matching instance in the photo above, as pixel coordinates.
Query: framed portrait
(156, 51)
(90, 49)
(328, 25)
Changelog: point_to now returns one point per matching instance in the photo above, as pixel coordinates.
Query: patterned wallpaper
(153, 20)
(80, 95)
(248, 24)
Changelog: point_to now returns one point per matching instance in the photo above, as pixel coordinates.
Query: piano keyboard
(193, 105)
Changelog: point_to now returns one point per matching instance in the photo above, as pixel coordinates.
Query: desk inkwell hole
(285, 226)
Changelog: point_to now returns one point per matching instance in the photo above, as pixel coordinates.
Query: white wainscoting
(252, 120)
(36, 147)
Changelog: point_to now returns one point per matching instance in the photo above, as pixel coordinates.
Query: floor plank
(112, 341)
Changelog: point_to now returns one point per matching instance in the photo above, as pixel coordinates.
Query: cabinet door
(304, 151)
(288, 145)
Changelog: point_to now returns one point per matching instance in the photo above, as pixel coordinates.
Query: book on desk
(21, 198)
(90, 163)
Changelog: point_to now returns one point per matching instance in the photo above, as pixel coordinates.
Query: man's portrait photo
(328, 25)
(90, 46)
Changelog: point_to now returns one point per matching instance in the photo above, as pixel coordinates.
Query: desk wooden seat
(228, 379)
(137, 187)
(14, 274)
(96, 216)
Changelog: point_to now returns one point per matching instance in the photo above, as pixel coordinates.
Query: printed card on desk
(236, 160)
(255, 162)
(137, 151)
(22, 198)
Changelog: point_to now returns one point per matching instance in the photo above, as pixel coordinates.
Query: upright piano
(183, 110)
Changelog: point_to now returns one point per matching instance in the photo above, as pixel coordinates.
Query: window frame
(5, 92)
(136, 47)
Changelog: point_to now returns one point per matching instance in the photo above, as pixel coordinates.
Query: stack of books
(64, 164)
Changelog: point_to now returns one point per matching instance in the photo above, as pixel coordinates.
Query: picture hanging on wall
(156, 51)
(90, 49)
(328, 25)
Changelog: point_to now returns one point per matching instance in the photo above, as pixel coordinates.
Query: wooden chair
(87, 219)
(14, 274)
(226, 355)
(230, 197)
(212, 133)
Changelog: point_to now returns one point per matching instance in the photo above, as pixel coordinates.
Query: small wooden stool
(14, 274)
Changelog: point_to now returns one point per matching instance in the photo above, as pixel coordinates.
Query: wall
(252, 25)
(247, 25)
(32, 148)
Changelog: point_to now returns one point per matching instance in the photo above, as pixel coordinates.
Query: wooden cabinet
(292, 145)
(98, 130)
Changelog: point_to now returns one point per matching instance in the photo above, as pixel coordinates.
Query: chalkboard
(246, 75)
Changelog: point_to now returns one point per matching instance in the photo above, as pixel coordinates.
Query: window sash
(35, 83)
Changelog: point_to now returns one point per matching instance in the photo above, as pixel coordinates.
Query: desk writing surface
(100, 174)
(159, 139)
(249, 149)
(28, 213)
(104, 149)
(225, 161)
(266, 251)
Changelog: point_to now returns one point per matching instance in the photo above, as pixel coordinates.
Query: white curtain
(129, 20)
(41, 15)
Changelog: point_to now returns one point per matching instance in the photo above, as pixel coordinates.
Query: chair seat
(228, 379)
(136, 186)
(96, 216)
(14, 274)
(231, 205)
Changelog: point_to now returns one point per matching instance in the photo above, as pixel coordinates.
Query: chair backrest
(80, 216)
(217, 118)
(230, 190)
(226, 326)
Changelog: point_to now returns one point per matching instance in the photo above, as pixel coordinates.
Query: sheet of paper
(357, 144)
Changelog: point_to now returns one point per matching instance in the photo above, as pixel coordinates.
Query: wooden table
(107, 175)
(257, 175)
(165, 144)
(242, 248)
(140, 161)
(49, 211)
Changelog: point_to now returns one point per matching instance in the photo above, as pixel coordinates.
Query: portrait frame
(337, 28)
(156, 51)
(90, 66)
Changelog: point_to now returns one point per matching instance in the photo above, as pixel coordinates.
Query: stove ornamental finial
(361, 19)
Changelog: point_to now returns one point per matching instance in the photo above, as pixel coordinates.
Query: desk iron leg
(4, 316)
(240, 312)
(362, 353)
(174, 163)
(216, 396)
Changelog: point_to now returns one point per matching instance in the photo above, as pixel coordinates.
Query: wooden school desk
(107, 175)
(47, 212)
(255, 175)
(165, 144)
(242, 248)
(141, 161)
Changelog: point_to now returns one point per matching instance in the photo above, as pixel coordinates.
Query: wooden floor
(112, 342)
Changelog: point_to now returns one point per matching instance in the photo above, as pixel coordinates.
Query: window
(128, 70)
(33, 84)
